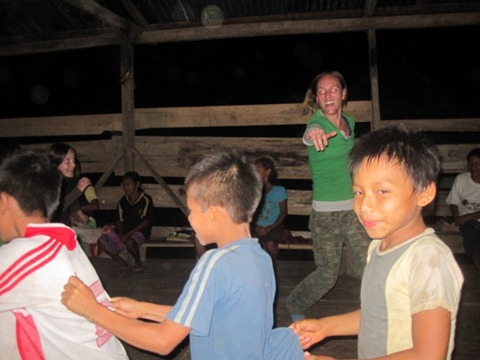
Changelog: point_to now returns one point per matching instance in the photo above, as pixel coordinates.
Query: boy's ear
(427, 195)
(4, 202)
(215, 213)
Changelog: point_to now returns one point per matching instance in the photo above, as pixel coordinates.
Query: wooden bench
(167, 237)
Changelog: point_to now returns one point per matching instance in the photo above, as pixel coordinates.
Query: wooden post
(162, 182)
(128, 106)
(372, 47)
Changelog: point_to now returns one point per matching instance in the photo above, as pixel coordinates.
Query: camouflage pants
(330, 231)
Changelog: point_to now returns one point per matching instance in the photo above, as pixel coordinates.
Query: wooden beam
(62, 42)
(61, 125)
(103, 14)
(106, 174)
(279, 28)
(204, 116)
(13, 46)
(447, 125)
(136, 14)
(369, 8)
(208, 116)
(179, 203)
(128, 107)
(237, 115)
(372, 57)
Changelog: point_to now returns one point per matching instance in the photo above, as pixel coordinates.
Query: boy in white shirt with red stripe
(37, 260)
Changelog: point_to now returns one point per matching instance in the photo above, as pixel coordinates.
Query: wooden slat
(236, 115)
(299, 201)
(204, 116)
(208, 116)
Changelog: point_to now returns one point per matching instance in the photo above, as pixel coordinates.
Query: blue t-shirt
(270, 206)
(228, 305)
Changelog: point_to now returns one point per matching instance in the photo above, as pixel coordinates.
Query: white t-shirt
(34, 323)
(417, 275)
(465, 193)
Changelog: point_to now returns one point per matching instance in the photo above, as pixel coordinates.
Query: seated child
(35, 264)
(227, 304)
(273, 208)
(411, 286)
(134, 221)
(464, 203)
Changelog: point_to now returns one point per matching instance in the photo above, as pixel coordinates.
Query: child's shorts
(111, 242)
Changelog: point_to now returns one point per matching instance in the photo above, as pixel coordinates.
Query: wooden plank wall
(171, 156)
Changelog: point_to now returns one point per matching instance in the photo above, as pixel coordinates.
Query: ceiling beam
(136, 14)
(369, 8)
(277, 28)
(103, 14)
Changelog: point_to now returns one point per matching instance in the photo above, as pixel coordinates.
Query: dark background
(424, 73)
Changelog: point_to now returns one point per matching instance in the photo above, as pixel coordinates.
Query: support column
(372, 47)
(128, 102)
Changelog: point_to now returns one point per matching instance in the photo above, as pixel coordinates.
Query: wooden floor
(164, 278)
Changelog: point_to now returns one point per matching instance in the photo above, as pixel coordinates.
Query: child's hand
(267, 229)
(78, 297)
(126, 307)
(309, 356)
(83, 183)
(310, 331)
(260, 230)
(78, 218)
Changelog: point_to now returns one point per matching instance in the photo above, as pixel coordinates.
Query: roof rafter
(152, 35)
(108, 17)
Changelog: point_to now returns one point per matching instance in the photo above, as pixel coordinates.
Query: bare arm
(430, 333)
(160, 338)
(140, 310)
(90, 207)
(312, 331)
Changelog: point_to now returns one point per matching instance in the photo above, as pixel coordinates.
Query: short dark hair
(33, 181)
(473, 153)
(228, 180)
(414, 152)
(135, 177)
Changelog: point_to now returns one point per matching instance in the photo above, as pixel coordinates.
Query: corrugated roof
(24, 21)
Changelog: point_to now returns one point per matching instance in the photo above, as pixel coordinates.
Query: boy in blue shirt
(227, 304)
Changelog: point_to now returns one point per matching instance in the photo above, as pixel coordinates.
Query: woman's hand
(319, 137)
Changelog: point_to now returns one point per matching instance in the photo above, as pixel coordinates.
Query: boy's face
(474, 166)
(200, 221)
(385, 202)
(129, 186)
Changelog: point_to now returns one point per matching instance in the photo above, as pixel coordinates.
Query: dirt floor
(164, 278)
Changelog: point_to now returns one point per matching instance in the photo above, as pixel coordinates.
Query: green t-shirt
(329, 168)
